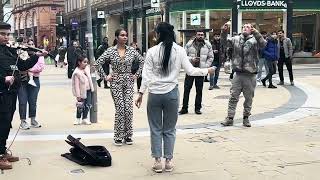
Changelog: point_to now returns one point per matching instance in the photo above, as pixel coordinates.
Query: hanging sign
(155, 3)
(195, 19)
(100, 14)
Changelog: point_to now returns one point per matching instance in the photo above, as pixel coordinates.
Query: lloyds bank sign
(262, 4)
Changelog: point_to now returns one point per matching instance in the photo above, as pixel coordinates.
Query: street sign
(195, 19)
(155, 3)
(100, 14)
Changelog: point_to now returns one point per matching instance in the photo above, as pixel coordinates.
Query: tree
(2, 4)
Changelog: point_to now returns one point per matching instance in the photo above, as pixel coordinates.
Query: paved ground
(283, 144)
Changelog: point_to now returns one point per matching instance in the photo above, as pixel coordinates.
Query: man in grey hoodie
(245, 55)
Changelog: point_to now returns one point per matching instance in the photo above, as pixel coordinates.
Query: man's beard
(200, 40)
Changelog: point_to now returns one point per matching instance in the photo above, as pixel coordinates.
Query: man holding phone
(200, 54)
(245, 54)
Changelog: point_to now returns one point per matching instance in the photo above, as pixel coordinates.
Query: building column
(207, 23)
(234, 17)
(317, 39)
(184, 26)
(144, 30)
(289, 18)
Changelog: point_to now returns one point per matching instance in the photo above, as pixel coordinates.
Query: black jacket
(8, 58)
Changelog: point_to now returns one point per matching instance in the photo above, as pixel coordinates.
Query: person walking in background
(285, 51)
(121, 57)
(217, 61)
(101, 49)
(139, 79)
(28, 93)
(160, 75)
(271, 58)
(82, 88)
(71, 54)
(262, 63)
(245, 55)
(200, 54)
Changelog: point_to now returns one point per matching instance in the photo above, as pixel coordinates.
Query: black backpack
(87, 155)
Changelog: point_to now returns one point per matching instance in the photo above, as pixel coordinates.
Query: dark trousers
(139, 80)
(5, 125)
(70, 70)
(272, 68)
(288, 63)
(7, 108)
(188, 83)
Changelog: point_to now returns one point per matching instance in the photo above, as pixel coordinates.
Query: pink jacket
(38, 68)
(79, 84)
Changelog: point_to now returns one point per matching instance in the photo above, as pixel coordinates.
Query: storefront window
(264, 21)
(217, 20)
(152, 22)
(176, 19)
(306, 31)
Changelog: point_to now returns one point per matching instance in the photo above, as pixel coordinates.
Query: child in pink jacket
(82, 88)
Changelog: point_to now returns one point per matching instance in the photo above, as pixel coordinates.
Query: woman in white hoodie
(82, 88)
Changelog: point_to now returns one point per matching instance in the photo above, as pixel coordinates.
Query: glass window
(152, 22)
(306, 31)
(264, 21)
(217, 20)
(176, 19)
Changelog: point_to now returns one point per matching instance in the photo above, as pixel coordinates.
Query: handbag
(135, 66)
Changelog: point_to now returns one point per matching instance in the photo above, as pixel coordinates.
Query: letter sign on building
(262, 4)
(155, 3)
(195, 19)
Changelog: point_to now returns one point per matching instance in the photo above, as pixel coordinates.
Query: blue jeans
(162, 110)
(214, 78)
(28, 94)
(84, 110)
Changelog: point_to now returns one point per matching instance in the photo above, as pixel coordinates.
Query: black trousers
(288, 63)
(188, 83)
(6, 116)
(272, 70)
(139, 80)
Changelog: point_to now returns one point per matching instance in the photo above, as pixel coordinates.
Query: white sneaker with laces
(24, 125)
(77, 122)
(86, 122)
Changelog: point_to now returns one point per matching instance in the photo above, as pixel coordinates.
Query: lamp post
(94, 109)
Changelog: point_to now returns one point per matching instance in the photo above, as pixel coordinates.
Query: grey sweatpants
(245, 83)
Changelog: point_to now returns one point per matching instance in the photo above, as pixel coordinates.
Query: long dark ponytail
(167, 37)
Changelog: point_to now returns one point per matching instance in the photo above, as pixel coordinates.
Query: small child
(82, 88)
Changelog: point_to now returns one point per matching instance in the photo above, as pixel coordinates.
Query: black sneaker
(99, 82)
(198, 111)
(183, 111)
(216, 87)
(271, 86)
(118, 142)
(281, 83)
(246, 122)
(128, 141)
(263, 81)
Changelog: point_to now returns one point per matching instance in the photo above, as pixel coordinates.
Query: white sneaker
(86, 122)
(77, 121)
(24, 125)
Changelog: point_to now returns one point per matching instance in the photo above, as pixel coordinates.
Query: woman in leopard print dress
(121, 57)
